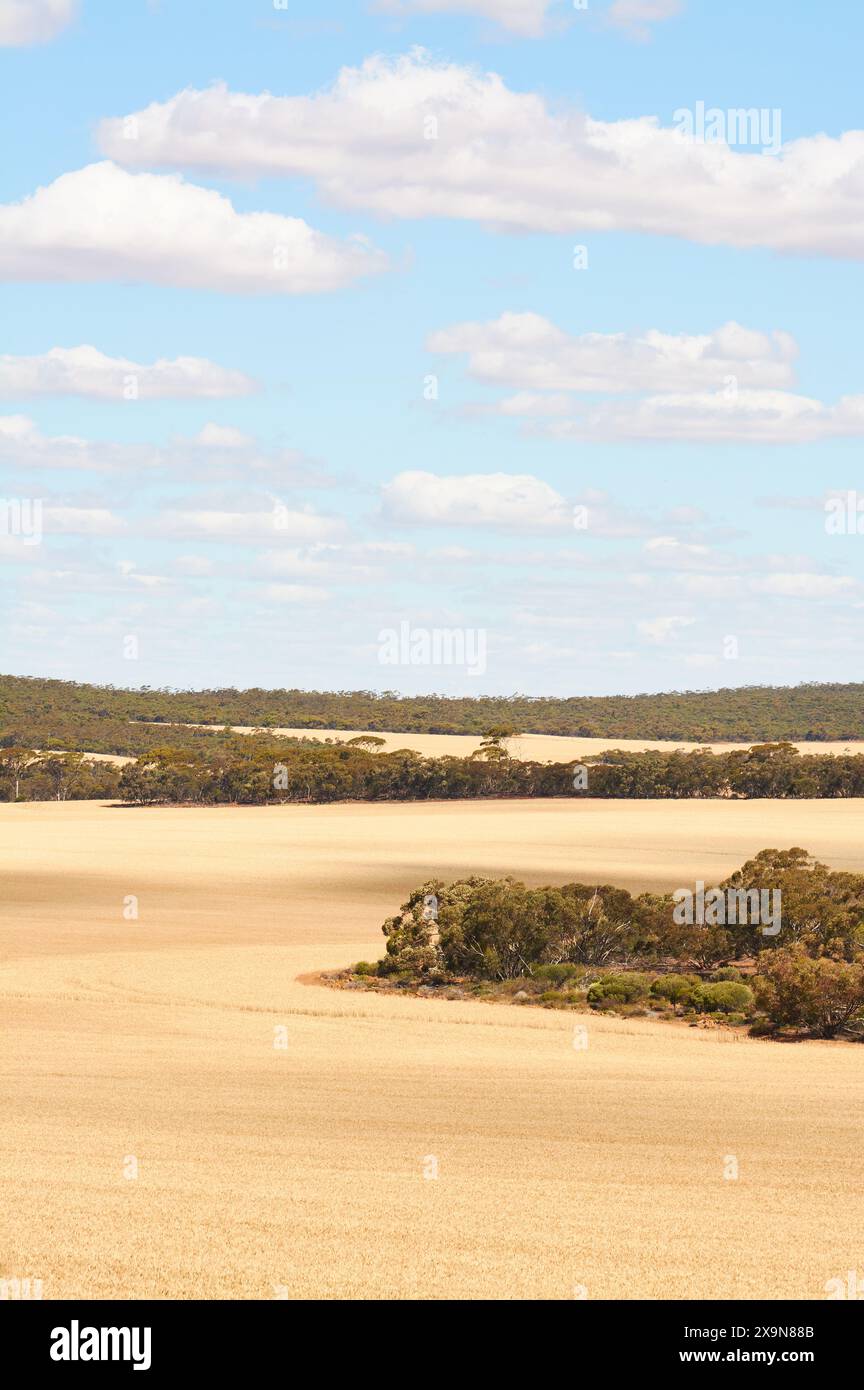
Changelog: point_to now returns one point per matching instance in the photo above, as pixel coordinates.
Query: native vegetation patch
(67, 714)
(263, 769)
(597, 947)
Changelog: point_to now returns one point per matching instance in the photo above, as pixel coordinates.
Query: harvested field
(299, 1172)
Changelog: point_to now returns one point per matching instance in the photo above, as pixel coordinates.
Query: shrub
(726, 972)
(624, 988)
(366, 967)
(557, 973)
(559, 999)
(724, 997)
(677, 989)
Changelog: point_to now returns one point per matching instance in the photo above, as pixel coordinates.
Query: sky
(470, 346)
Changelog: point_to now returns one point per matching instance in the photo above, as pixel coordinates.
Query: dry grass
(303, 1169)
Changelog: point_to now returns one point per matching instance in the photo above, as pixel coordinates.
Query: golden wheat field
(304, 1171)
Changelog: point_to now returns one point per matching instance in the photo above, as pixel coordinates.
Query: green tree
(821, 995)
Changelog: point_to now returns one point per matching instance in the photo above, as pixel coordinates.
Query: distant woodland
(45, 726)
(103, 719)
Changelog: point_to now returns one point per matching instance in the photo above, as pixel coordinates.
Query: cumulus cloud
(85, 371)
(514, 502)
(33, 21)
(504, 500)
(412, 137)
(104, 223)
(722, 386)
(526, 350)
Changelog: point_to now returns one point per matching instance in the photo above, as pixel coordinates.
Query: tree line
(258, 769)
(29, 775)
(255, 770)
(108, 719)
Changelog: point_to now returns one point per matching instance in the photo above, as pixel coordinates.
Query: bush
(725, 997)
(677, 989)
(366, 967)
(624, 988)
(557, 973)
(726, 972)
(559, 999)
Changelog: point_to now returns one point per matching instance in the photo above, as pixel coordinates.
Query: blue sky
(504, 353)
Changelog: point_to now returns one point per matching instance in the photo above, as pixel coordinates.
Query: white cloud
(16, 427)
(60, 519)
(805, 585)
(82, 521)
(668, 552)
(312, 563)
(103, 223)
(33, 21)
(217, 451)
(85, 371)
(722, 386)
(527, 18)
(507, 159)
(294, 593)
(528, 404)
(149, 581)
(505, 500)
(22, 445)
(663, 629)
(195, 566)
(222, 437)
(634, 16)
(280, 524)
(526, 350)
(752, 417)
